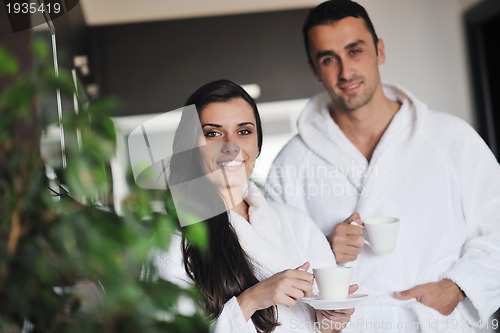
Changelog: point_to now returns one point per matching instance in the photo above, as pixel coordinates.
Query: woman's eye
(212, 134)
(245, 132)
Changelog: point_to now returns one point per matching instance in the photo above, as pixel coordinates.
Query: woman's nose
(230, 148)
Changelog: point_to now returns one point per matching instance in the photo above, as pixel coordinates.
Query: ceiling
(99, 12)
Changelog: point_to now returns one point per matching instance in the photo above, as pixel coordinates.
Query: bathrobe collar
(258, 237)
(324, 137)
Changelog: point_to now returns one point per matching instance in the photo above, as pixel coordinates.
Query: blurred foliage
(50, 245)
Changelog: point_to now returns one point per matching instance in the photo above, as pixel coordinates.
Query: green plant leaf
(41, 50)
(197, 234)
(64, 239)
(8, 64)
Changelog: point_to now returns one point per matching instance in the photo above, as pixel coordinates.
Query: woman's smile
(230, 134)
(231, 165)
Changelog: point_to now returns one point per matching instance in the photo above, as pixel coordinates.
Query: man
(376, 150)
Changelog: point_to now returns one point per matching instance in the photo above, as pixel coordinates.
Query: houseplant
(67, 265)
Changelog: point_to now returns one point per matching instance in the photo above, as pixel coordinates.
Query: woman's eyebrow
(220, 126)
(246, 123)
(212, 125)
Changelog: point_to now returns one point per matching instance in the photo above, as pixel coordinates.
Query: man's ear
(381, 51)
(314, 72)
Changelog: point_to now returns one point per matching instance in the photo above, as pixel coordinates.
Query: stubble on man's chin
(343, 105)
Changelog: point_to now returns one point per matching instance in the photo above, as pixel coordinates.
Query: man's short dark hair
(332, 11)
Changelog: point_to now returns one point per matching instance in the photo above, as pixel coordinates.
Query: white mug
(382, 234)
(333, 282)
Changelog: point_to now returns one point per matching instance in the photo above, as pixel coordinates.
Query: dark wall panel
(153, 67)
(482, 22)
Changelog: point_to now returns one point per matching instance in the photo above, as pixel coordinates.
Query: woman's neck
(233, 196)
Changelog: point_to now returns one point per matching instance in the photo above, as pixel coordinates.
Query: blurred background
(151, 55)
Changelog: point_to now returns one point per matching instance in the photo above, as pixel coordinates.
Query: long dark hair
(224, 270)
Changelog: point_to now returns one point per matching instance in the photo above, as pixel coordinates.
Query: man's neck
(365, 126)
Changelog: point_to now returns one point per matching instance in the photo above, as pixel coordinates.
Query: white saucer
(326, 304)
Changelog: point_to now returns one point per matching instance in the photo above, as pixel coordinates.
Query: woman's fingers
(339, 313)
(296, 274)
(338, 318)
(304, 267)
(294, 284)
(353, 288)
(285, 288)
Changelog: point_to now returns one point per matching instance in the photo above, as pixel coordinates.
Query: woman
(254, 271)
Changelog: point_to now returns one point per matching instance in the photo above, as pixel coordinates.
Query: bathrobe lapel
(373, 179)
(339, 151)
(390, 152)
(258, 238)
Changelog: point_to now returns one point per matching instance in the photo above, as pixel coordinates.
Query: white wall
(426, 50)
(424, 39)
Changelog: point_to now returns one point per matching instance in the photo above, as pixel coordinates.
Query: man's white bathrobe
(277, 238)
(429, 169)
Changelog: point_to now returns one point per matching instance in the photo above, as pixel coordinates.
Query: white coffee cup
(382, 234)
(333, 282)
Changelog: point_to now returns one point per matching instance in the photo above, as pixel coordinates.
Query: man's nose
(346, 69)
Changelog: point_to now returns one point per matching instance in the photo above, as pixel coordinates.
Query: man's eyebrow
(322, 54)
(354, 44)
(325, 53)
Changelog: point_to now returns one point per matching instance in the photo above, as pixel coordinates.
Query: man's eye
(354, 52)
(327, 60)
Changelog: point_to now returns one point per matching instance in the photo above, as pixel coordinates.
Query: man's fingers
(408, 294)
(354, 223)
(351, 245)
(346, 233)
(354, 218)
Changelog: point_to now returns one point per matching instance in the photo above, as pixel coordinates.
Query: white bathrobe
(277, 238)
(432, 171)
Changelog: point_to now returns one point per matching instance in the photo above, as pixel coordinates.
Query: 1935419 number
(25, 8)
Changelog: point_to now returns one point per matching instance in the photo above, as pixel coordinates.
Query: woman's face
(230, 132)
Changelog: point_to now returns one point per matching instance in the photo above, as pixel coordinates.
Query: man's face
(345, 60)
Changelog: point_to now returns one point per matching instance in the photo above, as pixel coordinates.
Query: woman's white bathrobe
(277, 238)
(432, 171)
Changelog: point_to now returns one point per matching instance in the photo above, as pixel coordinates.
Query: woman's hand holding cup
(286, 288)
(331, 321)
